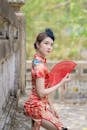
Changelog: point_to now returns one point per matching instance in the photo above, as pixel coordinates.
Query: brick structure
(12, 59)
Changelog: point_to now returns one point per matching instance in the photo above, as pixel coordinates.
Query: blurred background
(67, 18)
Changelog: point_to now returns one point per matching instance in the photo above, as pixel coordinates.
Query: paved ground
(74, 116)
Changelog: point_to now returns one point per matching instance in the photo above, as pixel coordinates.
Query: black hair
(41, 36)
(49, 33)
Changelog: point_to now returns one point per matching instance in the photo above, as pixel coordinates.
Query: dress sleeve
(38, 68)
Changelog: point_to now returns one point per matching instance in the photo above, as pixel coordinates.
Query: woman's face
(45, 47)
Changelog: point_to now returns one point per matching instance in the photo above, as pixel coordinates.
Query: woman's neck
(41, 55)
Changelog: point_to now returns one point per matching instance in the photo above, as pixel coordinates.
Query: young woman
(38, 106)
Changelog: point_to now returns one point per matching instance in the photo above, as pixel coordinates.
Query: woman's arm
(42, 91)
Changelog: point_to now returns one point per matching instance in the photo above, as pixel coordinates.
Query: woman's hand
(66, 78)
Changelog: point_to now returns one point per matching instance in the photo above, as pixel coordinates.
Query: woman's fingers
(66, 78)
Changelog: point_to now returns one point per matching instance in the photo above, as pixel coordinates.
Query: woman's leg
(46, 124)
(49, 125)
(32, 124)
(36, 125)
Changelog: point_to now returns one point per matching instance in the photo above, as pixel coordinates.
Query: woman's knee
(48, 125)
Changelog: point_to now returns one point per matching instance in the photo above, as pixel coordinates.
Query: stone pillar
(22, 43)
(17, 4)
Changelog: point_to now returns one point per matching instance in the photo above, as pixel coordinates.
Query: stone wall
(12, 62)
(8, 90)
(77, 87)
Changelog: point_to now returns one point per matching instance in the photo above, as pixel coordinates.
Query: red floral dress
(36, 107)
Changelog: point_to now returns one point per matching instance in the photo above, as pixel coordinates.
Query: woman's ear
(37, 45)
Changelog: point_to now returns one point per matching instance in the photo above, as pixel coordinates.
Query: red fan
(59, 71)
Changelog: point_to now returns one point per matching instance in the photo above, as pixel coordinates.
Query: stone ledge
(16, 4)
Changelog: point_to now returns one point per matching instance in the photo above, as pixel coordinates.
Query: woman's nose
(50, 47)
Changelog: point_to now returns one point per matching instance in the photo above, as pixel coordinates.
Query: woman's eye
(50, 44)
(46, 43)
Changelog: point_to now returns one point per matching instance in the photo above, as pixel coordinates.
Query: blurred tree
(68, 20)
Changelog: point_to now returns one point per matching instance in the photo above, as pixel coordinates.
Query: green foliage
(68, 19)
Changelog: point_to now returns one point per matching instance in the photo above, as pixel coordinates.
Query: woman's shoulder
(36, 61)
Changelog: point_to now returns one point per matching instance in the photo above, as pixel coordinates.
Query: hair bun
(49, 32)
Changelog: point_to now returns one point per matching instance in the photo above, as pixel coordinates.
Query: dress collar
(38, 56)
